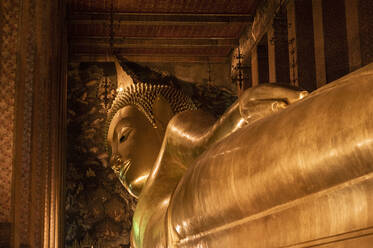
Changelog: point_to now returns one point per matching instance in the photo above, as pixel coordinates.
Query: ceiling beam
(148, 52)
(158, 18)
(151, 59)
(119, 42)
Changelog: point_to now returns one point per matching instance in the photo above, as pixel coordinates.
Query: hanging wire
(111, 31)
(280, 25)
(239, 68)
(104, 84)
(209, 82)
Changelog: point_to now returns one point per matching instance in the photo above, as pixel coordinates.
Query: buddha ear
(162, 112)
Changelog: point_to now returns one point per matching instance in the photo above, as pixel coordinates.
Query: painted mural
(97, 208)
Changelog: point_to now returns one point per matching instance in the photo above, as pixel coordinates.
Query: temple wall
(32, 122)
(97, 206)
(324, 41)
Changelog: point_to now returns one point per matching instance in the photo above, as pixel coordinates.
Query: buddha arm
(301, 175)
(256, 103)
(190, 133)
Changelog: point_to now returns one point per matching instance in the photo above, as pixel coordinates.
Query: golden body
(279, 169)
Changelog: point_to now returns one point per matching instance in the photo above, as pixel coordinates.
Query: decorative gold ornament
(143, 96)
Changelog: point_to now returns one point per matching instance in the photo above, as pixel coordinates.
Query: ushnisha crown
(143, 96)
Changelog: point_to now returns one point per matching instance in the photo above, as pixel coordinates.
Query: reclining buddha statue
(280, 168)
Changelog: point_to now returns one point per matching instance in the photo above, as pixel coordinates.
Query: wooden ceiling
(158, 30)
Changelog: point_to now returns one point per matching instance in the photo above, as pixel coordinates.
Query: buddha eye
(124, 136)
(122, 139)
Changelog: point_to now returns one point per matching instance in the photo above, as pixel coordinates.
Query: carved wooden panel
(8, 48)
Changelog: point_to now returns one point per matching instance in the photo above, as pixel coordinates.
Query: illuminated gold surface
(135, 128)
(271, 172)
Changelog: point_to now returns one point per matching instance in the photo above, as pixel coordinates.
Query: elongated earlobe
(162, 113)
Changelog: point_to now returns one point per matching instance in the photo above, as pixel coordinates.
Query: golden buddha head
(135, 128)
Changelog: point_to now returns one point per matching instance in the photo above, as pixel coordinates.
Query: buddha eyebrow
(126, 120)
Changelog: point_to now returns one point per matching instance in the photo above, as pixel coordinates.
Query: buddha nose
(114, 149)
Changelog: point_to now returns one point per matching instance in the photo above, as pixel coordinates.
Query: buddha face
(135, 144)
